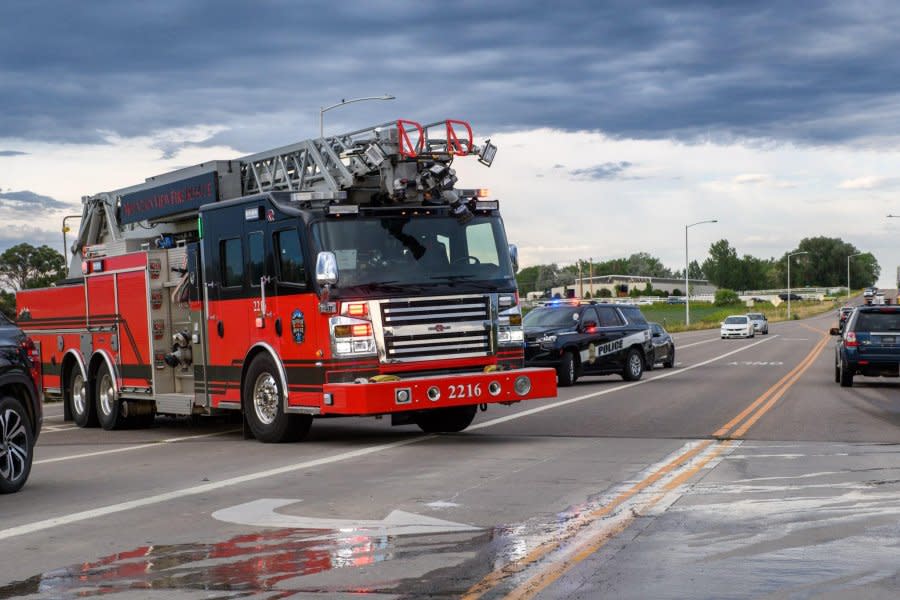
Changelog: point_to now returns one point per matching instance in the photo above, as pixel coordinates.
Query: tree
(723, 267)
(826, 264)
(726, 297)
(23, 266)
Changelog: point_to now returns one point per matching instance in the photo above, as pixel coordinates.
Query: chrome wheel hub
(78, 394)
(635, 364)
(266, 398)
(107, 394)
(13, 445)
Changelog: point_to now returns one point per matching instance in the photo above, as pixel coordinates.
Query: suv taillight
(33, 353)
(850, 340)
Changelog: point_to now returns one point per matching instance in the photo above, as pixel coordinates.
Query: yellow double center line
(734, 429)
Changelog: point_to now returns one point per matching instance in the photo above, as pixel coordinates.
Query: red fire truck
(345, 275)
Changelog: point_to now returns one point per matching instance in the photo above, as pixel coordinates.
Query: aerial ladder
(396, 162)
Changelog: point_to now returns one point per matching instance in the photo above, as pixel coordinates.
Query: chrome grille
(436, 328)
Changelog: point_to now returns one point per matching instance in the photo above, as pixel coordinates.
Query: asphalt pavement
(745, 471)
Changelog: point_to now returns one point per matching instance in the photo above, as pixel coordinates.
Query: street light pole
(848, 273)
(789, 281)
(687, 268)
(65, 230)
(325, 109)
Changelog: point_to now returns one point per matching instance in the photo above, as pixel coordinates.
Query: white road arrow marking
(261, 513)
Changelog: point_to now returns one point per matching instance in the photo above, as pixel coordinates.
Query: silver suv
(760, 323)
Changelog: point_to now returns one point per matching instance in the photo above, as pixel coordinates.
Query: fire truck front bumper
(423, 393)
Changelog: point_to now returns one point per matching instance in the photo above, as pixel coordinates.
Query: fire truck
(338, 276)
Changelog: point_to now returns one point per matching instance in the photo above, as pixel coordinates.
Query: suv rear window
(633, 314)
(877, 321)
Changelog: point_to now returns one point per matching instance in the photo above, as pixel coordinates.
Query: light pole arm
(325, 109)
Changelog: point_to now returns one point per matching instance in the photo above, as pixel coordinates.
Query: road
(745, 471)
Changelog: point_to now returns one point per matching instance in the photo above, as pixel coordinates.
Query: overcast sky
(618, 122)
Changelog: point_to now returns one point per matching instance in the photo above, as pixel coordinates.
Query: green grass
(705, 316)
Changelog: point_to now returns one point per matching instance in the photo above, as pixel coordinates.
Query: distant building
(621, 285)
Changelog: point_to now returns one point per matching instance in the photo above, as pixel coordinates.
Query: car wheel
(446, 420)
(670, 359)
(846, 376)
(109, 407)
(837, 373)
(263, 403)
(565, 372)
(83, 410)
(634, 366)
(16, 445)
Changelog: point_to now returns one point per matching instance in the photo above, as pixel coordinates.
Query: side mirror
(514, 257)
(326, 268)
(589, 325)
(657, 334)
(834, 331)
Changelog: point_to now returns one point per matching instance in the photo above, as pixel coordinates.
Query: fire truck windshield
(421, 251)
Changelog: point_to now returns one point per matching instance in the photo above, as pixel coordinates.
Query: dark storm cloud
(12, 153)
(26, 201)
(808, 72)
(606, 171)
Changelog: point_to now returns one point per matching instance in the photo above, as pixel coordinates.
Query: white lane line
(617, 388)
(683, 346)
(318, 462)
(199, 489)
(130, 448)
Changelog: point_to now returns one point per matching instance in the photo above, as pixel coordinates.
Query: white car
(737, 326)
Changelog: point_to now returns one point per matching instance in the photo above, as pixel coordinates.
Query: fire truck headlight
(522, 385)
(494, 388)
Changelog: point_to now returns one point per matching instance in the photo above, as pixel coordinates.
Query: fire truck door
(196, 289)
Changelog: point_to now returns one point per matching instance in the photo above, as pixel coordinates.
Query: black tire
(566, 372)
(108, 405)
(16, 445)
(837, 373)
(79, 400)
(263, 402)
(634, 366)
(446, 420)
(846, 376)
(670, 359)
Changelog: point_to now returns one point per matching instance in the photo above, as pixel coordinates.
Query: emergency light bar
(342, 209)
(308, 196)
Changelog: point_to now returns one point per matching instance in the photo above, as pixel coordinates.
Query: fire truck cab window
(231, 257)
(290, 257)
(257, 257)
(481, 245)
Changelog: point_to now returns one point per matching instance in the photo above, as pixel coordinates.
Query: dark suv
(586, 338)
(21, 414)
(870, 344)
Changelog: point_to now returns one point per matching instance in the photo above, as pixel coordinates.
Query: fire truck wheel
(79, 401)
(446, 420)
(263, 401)
(109, 407)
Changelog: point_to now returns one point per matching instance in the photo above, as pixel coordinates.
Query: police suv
(587, 338)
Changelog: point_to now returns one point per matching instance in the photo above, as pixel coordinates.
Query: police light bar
(487, 153)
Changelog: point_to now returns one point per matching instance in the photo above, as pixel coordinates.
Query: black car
(663, 347)
(870, 344)
(793, 297)
(586, 338)
(21, 414)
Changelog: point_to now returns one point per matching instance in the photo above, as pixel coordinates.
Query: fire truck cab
(283, 287)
